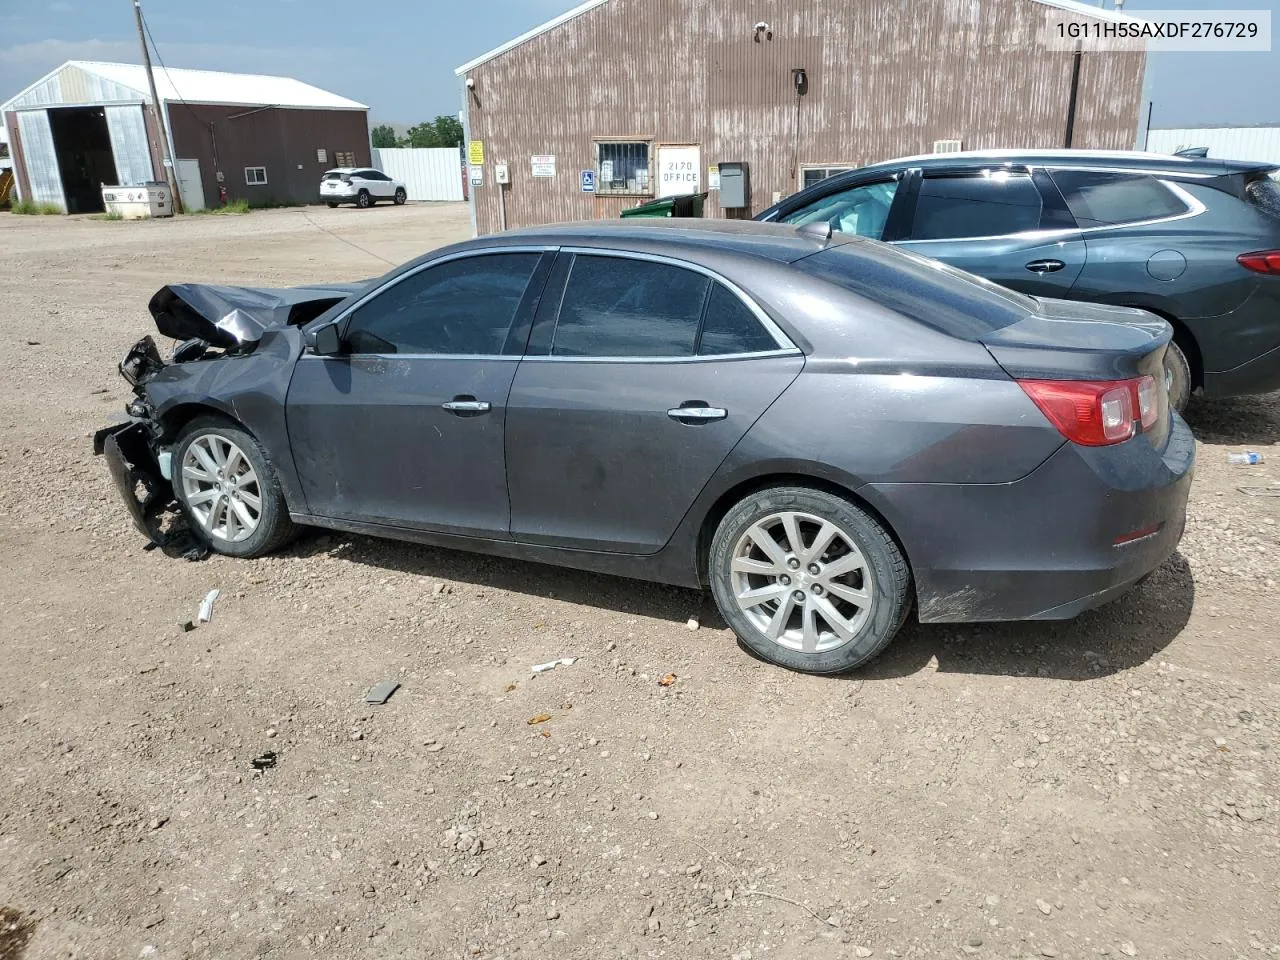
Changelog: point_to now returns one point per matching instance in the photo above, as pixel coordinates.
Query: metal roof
(207, 86)
(1072, 6)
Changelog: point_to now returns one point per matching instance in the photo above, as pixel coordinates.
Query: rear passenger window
(616, 307)
(1098, 199)
(729, 326)
(989, 205)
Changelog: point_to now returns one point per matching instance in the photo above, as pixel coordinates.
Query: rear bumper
(1259, 375)
(338, 197)
(1044, 547)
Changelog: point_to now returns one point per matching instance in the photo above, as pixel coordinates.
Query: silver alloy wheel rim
(221, 488)
(802, 582)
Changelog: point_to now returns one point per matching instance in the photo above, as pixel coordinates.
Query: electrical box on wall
(501, 174)
(735, 187)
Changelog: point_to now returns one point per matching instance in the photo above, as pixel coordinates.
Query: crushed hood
(236, 317)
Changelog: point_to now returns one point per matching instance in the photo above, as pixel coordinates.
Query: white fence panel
(427, 173)
(1224, 143)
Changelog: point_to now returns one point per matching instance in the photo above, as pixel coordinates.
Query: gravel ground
(1107, 786)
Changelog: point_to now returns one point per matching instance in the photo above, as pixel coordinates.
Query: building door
(190, 185)
(39, 157)
(85, 158)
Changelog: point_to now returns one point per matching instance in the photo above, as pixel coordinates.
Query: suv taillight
(1261, 261)
(1096, 413)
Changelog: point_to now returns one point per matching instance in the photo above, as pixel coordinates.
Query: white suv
(362, 186)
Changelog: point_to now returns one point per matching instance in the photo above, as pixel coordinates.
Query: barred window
(623, 167)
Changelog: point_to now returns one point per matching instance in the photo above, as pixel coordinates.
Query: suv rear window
(926, 290)
(1098, 199)
(333, 175)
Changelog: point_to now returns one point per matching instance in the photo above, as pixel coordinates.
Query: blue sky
(399, 55)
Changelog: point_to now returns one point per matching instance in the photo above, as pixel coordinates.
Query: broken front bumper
(136, 472)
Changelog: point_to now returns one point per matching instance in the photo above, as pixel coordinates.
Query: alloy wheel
(802, 582)
(221, 488)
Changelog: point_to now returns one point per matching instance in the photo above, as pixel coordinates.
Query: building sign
(713, 177)
(477, 176)
(543, 165)
(588, 181)
(475, 153)
(322, 156)
(679, 171)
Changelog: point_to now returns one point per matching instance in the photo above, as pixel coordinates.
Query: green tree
(443, 131)
(423, 135)
(384, 136)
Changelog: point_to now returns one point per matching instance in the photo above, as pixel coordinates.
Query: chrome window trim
(785, 346)
(1194, 209)
(713, 358)
(348, 357)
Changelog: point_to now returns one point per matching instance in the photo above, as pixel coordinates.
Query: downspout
(1071, 100)
(466, 146)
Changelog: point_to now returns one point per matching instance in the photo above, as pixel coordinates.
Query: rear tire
(1177, 375)
(401, 196)
(825, 604)
(228, 491)
(364, 200)
(332, 206)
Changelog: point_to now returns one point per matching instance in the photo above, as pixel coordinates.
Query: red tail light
(1261, 261)
(1096, 413)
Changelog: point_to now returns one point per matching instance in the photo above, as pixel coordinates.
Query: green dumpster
(684, 205)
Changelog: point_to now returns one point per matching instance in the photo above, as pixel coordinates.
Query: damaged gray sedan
(825, 431)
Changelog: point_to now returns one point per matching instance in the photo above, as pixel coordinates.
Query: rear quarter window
(920, 288)
(1099, 199)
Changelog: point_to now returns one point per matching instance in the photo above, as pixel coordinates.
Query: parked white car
(362, 186)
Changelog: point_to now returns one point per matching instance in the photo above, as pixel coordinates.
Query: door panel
(1057, 257)
(595, 460)
(372, 440)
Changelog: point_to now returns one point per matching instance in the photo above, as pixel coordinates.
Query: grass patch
(113, 215)
(231, 209)
(29, 208)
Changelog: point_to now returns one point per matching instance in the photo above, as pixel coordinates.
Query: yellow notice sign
(475, 153)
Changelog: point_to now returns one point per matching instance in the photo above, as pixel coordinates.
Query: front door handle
(1045, 266)
(465, 405)
(695, 412)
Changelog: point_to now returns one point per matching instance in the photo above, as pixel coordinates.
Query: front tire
(364, 200)
(228, 491)
(808, 580)
(1177, 377)
(401, 196)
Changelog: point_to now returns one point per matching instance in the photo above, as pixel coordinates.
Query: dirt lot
(1109, 786)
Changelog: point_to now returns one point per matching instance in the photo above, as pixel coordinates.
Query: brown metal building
(263, 139)
(647, 97)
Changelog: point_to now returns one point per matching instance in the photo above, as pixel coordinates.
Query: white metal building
(1224, 143)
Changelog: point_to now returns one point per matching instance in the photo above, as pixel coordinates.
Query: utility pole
(169, 174)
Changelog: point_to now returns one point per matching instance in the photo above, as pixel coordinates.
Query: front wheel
(401, 196)
(808, 580)
(228, 490)
(1177, 377)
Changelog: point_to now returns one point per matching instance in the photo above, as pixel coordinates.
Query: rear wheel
(333, 206)
(228, 489)
(807, 580)
(1177, 377)
(363, 199)
(401, 196)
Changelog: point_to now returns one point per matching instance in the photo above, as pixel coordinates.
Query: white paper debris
(206, 606)
(552, 664)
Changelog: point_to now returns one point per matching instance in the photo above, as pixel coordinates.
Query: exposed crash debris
(382, 692)
(206, 605)
(264, 761)
(552, 664)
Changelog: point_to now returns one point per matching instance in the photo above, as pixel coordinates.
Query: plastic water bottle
(1249, 457)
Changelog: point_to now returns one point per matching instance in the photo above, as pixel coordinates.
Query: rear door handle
(465, 405)
(692, 412)
(1045, 266)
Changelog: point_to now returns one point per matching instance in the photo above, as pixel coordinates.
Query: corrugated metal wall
(886, 78)
(71, 86)
(129, 144)
(41, 158)
(428, 174)
(1224, 143)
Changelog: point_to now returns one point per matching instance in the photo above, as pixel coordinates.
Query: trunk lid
(1069, 340)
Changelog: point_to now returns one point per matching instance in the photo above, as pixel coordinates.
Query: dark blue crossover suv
(1194, 240)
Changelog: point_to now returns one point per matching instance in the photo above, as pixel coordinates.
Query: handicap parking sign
(588, 181)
